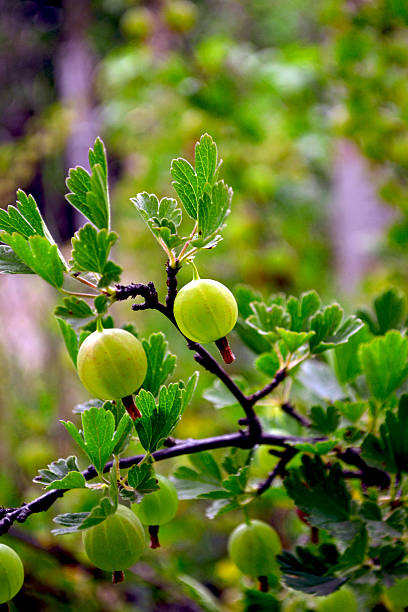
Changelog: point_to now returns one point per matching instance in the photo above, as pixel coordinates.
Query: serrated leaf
(266, 318)
(353, 411)
(162, 218)
(206, 163)
(384, 363)
(390, 308)
(301, 309)
(189, 388)
(90, 252)
(70, 339)
(346, 361)
(268, 363)
(294, 340)
(319, 380)
(89, 192)
(160, 362)
(318, 448)
(330, 329)
(158, 420)
(324, 421)
(309, 571)
(62, 471)
(212, 210)
(320, 492)
(10, 263)
(143, 479)
(39, 255)
(70, 521)
(205, 464)
(354, 555)
(74, 310)
(185, 183)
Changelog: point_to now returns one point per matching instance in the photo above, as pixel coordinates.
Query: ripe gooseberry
(253, 547)
(157, 508)
(205, 310)
(11, 573)
(117, 542)
(111, 363)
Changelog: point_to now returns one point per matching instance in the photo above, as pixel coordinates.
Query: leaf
(90, 253)
(317, 448)
(330, 329)
(294, 340)
(10, 262)
(255, 601)
(301, 309)
(191, 483)
(318, 378)
(158, 420)
(205, 464)
(267, 318)
(353, 411)
(163, 218)
(199, 593)
(310, 572)
(186, 185)
(219, 395)
(61, 474)
(268, 363)
(160, 362)
(221, 506)
(143, 478)
(324, 421)
(189, 388)
(39, 255)
(98, 439)
(75, 311)
(346, 361)
(71, 522)
(80, 408)
(213, 210)
(390, 451)
(384, 363)
(390, 308)
(354, 555)
(89, 192)
(206, 163)
(70, 339)
(320, 492)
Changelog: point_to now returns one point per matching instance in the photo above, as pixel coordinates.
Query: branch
(279, 470)
(186, 447)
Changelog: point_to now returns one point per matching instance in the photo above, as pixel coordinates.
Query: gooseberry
(111, 364)
(11, 573)
(205, 310)
(117, 542)
(253, 547)
(343, 599)
(158, 508)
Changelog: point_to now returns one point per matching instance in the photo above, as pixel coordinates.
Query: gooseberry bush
(335, 444)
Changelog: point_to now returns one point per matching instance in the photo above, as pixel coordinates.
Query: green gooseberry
(253, 548)
(159, 507)
(117, 542)
(111, 363)
(11, 573)
(205, 310)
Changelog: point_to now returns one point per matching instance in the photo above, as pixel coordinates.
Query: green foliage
(90, 251)
(89, 192)
(61, 474)
(160, 363)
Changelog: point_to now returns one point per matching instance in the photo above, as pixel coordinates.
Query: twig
(291, 411)
(278, 470)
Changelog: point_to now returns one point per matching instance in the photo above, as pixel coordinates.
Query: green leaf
(89, 192)
(158, 420)
(346, 361)
(212, 210)
(354, 555)
(319, 380)
(390, 451)
(143, 479)
(74, 310)
(186, 185)
(91, 251)
(309, 572)
(294, 340)
(266, 319)
(384, 363)
(199, 593)
(98, 439)
(317, 448)
(39, 255)
(70, 339)
(163, 218)
(268, 363)
(206, 163)
(330, 329)
(205, 478)
(324, 421)
(160, 362)
(189, 388)
(221, 506)
(205, 463)
(390, 308)
(61, 474)
(260, 602)
(10, 262)
(219, 395)
(301, 309)
(319, 491)
(71, 522)
(353, 411)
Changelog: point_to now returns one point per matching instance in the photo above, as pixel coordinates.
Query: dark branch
(240, 440)
(291, 411)
(278, 470)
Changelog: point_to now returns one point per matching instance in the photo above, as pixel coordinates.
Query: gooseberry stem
(225, 350)
(196, 275)
(99, 326)
(118, 576)
(132, 409)
(154, 536)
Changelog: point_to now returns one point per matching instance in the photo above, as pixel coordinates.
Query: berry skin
(11, 573)
(253, 548)
(117, 542)
(159, 507)
(111, 364)
(205, 310)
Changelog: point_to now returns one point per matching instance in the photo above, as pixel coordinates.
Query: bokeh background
(307, 102)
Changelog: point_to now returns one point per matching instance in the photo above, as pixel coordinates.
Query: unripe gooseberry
(117, 542)
(253, 548)
(159, 507)
(339, 601)
(11, 573)
(111, 363)
(205, 310)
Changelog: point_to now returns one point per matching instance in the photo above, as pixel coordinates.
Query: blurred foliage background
(307, 102)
